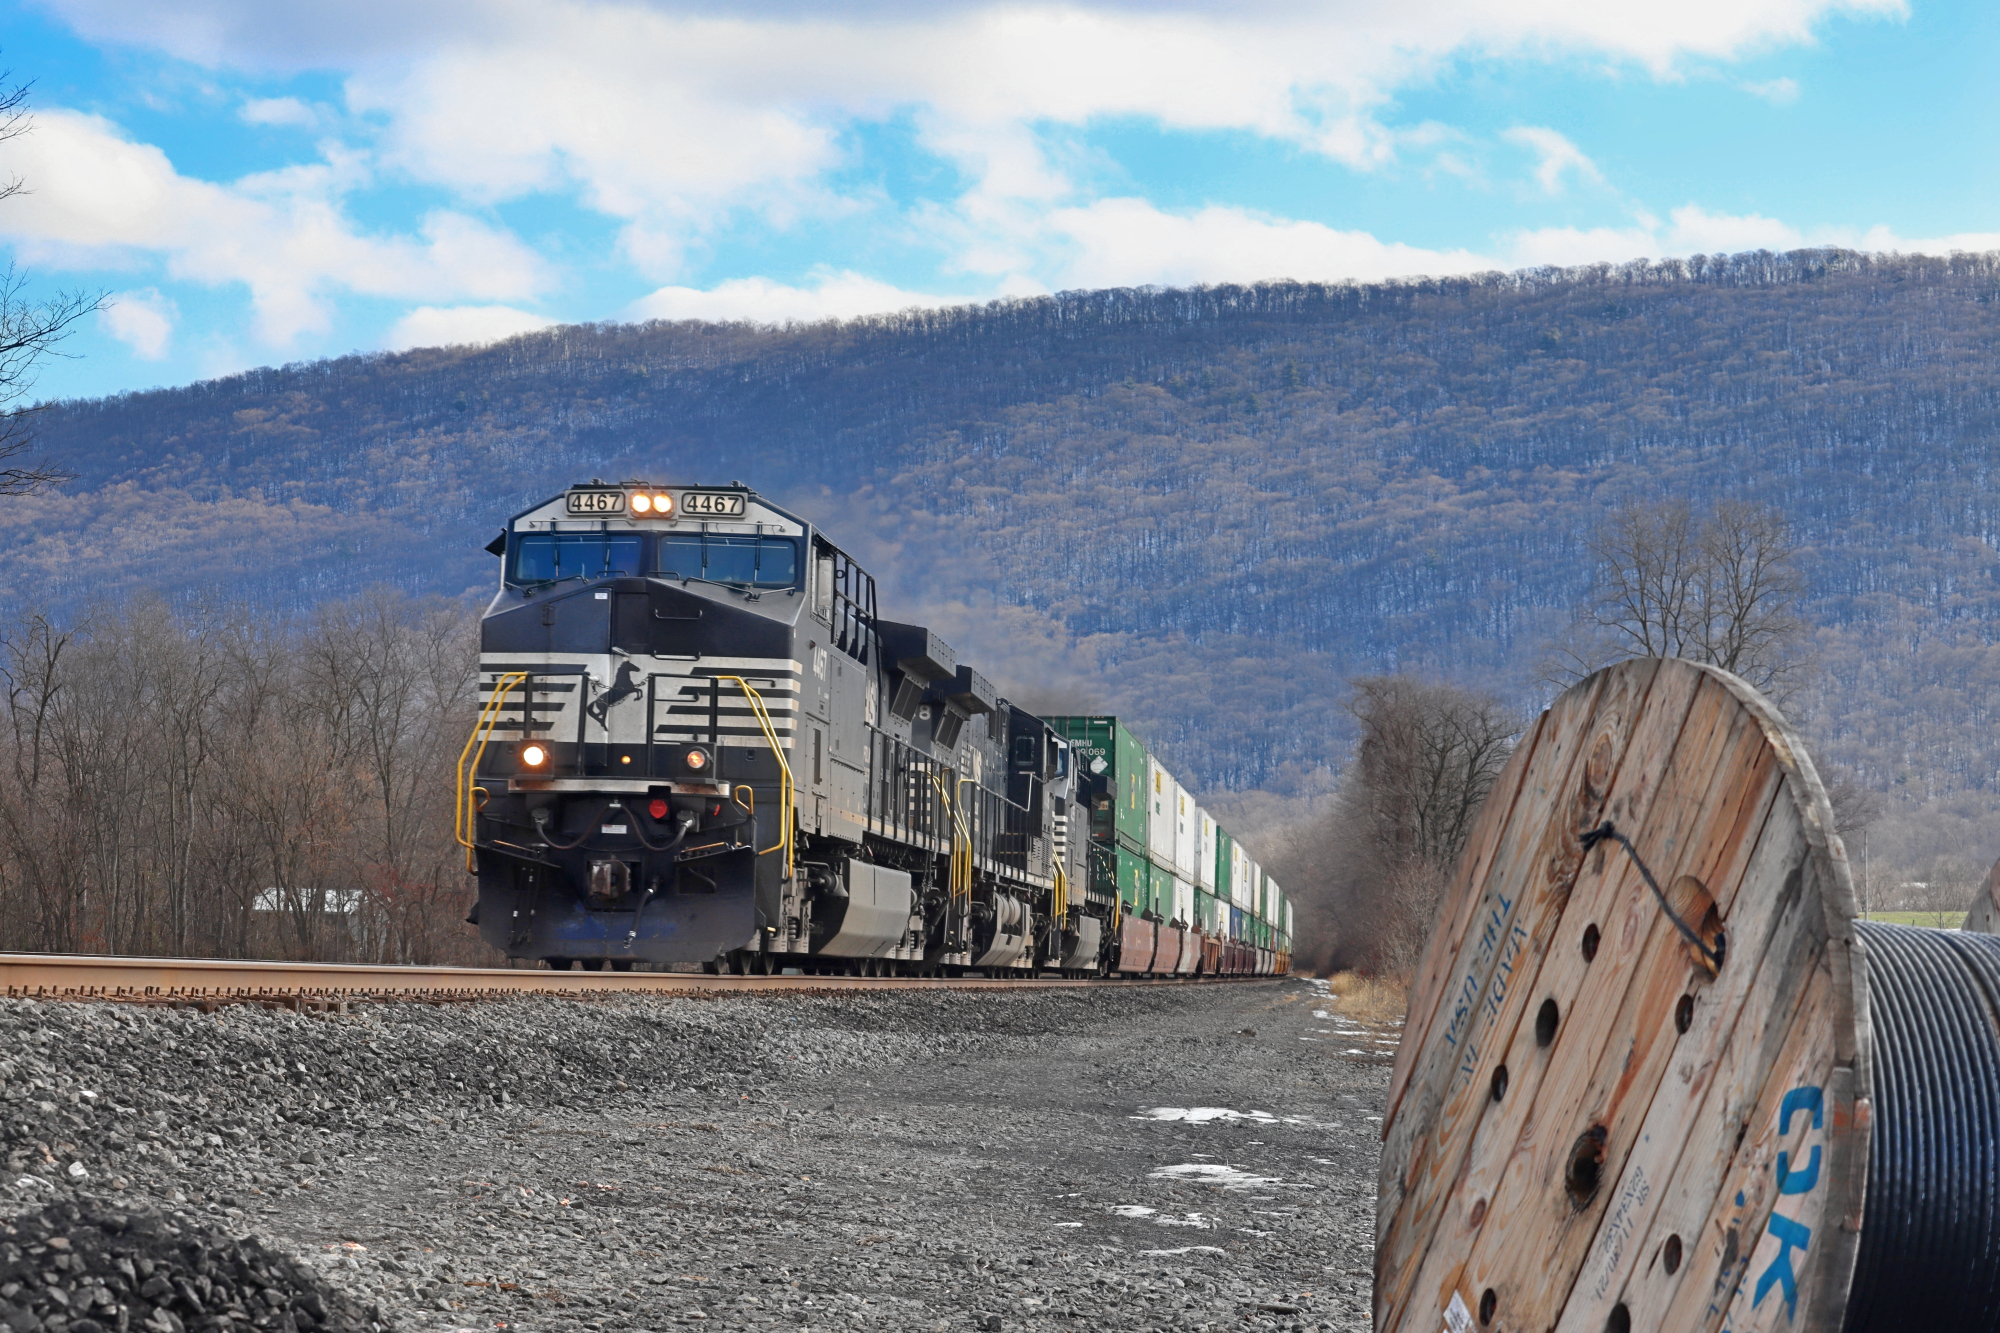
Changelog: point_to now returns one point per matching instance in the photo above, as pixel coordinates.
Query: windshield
(758, 562)
(546, 556)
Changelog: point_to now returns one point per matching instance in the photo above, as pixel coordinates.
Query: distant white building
(333, 902)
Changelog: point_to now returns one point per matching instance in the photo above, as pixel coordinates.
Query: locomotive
(699, 742)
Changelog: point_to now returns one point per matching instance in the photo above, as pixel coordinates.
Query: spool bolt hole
(1620, 1320)
(1670, 1255)
(1590, 938)
(1489, 1301)
(1546, 1019)
(1684, 1014)
(1499, 1083)
(1586, 1167)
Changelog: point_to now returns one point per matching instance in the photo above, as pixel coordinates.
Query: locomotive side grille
(544, 699)
(696, 708)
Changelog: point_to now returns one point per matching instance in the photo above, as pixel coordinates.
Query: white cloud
(761, 301)
(143, 320)
(277, 111)
(465, 325)
(1778, 92)
(673, 115)
(101, 200)
(1129, 242)
(1558, 156)
(1693, 230)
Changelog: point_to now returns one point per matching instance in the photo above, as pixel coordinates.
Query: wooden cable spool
(1593, 1124)
(1984, 915)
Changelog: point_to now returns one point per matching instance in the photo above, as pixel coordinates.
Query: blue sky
(257, 183)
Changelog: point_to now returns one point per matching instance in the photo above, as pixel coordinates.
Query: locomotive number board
(712, 504)
(594, 504)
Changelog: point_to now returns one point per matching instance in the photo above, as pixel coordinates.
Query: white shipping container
(1239, 877)
(1204, 851)
(1161, 789)
(1187, 833)
(1183, 902)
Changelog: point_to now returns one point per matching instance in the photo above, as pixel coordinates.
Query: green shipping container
(1162, 882)
(1135, 880)
(1223, 847)
(1101, 740)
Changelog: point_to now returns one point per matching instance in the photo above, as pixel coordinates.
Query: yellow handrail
(466, 814)
(786, 815)
(961, 843)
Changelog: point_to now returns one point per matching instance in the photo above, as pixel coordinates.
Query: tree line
(228, 784)
(1721, 587)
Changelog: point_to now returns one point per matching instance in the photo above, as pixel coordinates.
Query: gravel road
(1146, 1157)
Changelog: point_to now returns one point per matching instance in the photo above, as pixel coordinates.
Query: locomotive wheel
(766, 964)
(741, 958)
(560, 964)
(623, 964)
(592, 964)
(713, 967)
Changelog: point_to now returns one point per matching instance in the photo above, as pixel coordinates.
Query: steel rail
(165, 980)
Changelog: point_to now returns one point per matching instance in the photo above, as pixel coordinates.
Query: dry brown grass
(1369, 999)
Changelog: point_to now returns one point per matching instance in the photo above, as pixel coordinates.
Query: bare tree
(1427, 756)
(1367, 877)
(237, 785)
(1945, 892)
(1723, 589)
(29, 331)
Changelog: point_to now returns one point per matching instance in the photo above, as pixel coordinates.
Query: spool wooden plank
(1621, 1133)
(1984, 916)
(1477, 911)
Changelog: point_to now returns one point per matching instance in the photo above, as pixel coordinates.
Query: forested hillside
(1205, 508)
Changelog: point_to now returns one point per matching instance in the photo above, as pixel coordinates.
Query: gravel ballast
(1137, 1157)
(88, 1268)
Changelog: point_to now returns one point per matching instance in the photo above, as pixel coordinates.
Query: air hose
(1930, 1233)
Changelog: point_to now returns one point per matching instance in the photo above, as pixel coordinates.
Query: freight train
(699, 742)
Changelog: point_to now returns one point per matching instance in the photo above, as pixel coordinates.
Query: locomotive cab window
(545, 557)
(755, 562)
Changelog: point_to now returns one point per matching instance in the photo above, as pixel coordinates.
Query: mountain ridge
(1206, 508)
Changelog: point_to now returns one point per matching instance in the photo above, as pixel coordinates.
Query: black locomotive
(700, 743)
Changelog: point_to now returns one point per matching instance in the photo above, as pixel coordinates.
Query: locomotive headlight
(696, 760)
(534, 756)
(642, 504)
(663, 505)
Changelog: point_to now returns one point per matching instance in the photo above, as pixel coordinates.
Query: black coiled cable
(1928, 1258)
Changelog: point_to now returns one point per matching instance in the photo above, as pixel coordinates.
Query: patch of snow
(1216, 1173)
(1189, 1249)
(1133, 1210)
(1191, 1220)
(1199, 1115)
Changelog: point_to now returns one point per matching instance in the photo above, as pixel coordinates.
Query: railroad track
(209, 983)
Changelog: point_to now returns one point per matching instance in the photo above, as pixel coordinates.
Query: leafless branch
(30, 331)
(1723, 589)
